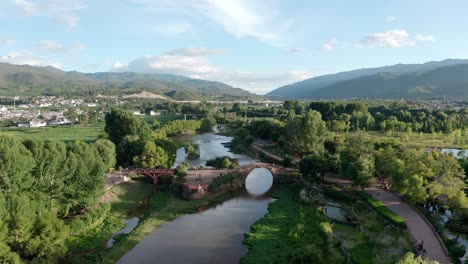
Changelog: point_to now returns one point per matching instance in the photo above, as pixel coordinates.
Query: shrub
(89, 220)
(380, 208)
(223, 162)
(222, 180)
(340, 195)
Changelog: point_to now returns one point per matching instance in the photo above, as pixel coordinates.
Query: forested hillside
(410, 80)
(17, 80)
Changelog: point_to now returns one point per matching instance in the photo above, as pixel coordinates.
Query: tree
(207, 124)
(50, 170)
(314, 166)
(410, 258)
(170, 148)
(16, 165)
(363, 176)
(357, 160)
(107, 152)
(121, 123)
(84, 181)
(151, 157)
(306, 134)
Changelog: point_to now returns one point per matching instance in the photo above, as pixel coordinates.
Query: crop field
(63, 133)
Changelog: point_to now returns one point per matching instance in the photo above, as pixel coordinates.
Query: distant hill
(317, 87)
(35, 80)
(450, 81)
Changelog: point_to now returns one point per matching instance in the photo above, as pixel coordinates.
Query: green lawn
(292, 232)
(438, 140)
(63, 133)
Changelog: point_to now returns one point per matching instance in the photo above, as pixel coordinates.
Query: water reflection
(212, 236)
(130, 224)
(210, 146)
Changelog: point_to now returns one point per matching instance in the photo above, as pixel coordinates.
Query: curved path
(418, 226)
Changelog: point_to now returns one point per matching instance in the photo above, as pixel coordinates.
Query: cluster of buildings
(53, 101)
(33, 118)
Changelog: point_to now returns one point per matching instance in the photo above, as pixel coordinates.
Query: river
(214, 235)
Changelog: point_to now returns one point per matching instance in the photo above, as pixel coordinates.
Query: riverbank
(292, 232)
(136, 199)
(295, 230)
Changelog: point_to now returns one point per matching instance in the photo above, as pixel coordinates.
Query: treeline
(42, 183)
(342, 117)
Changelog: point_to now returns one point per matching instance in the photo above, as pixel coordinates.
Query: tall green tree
(305, 134)
(85, 180)
(314, 166)
(107, 152)
(152, 156)
(16, 165)
(121, 123)
(357, 160)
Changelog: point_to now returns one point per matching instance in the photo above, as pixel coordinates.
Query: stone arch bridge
(198, 180)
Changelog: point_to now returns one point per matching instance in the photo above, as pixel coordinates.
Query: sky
(255, 45)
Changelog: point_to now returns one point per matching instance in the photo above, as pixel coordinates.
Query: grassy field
(63, 133)
(423, 140)
(87, 133)
(129, 200)
(291, 232)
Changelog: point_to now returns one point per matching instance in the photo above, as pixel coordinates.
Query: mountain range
(447, 78)
(37, 80)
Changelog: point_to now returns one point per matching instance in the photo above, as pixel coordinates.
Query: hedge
(340, 195)
(388, 214)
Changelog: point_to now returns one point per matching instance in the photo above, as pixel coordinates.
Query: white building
(37, 123)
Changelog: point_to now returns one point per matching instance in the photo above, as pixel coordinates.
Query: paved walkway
(417, 225)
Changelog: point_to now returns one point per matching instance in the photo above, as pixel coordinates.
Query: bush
(223, 162)
(340, 195)
(89, 220)
(222, 180)
(380, 208)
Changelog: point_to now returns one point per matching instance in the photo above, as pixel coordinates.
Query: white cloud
(21, 58)
(330, 45)
(28, 7)
(8, 41)
(52, 46)
(240, 18)
(293, 50)
(428, 38)
(390, 19)
(394, 39)
(63, 11)
(196, 65)
(117, 65)
(391, 38)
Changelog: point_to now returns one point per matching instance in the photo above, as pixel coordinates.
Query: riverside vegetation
(52, 189)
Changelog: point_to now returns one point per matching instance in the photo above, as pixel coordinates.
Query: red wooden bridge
(154, 174)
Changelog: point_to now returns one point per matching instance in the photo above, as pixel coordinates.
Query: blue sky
(255, 45)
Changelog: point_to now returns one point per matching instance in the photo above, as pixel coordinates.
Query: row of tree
(42, 183)
(357, 116)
